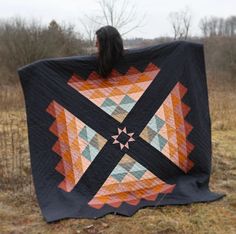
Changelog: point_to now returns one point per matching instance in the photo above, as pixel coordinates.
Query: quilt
(141, 137)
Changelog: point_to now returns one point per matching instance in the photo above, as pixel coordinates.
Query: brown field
(19, 211)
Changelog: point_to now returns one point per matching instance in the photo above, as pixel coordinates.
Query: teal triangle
(86, 153)
(109, 109)
(159, 123)
(158, 142)
(162, 141)
(108, 102)
(152, 124)
(151, 133)
(119, 110)
(155, 142)
(93, 152)
(137, 167)
(118, 169)
(83, 134)
(138, 174)
(90, 133)
(90, 152)
(127, 100)
(94, 142)
(119, 176)
(156, 123)
(127, 106)
(127, 166)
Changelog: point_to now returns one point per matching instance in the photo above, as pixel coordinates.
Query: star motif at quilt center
(124, 130)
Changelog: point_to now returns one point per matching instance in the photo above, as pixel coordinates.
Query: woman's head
(110, 48)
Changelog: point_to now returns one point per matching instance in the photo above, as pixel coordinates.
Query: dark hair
(110, 49)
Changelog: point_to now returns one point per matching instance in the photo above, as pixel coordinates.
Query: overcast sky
(156, 22)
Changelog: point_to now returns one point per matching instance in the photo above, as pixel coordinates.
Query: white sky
(156, 22)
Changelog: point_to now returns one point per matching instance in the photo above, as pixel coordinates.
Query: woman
(110, 49)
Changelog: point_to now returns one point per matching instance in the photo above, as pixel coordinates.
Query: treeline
(217, 26)
(219, 38)
(23, 42)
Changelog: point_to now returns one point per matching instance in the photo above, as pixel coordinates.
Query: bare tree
(23, 42)
(90, 26)
(230, 26)
(215, 26)
(221, 24)
(118, 13)
(187, 23)
(203, 24)
(181, 22)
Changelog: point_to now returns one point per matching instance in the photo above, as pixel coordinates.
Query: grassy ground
(19, 213)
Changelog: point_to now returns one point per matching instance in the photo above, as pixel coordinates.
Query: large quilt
(141, 137)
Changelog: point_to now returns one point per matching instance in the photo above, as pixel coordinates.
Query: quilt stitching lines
(166, 131)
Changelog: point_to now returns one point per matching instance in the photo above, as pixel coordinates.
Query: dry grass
(222, 98)
(19, 212)
(11, 98)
